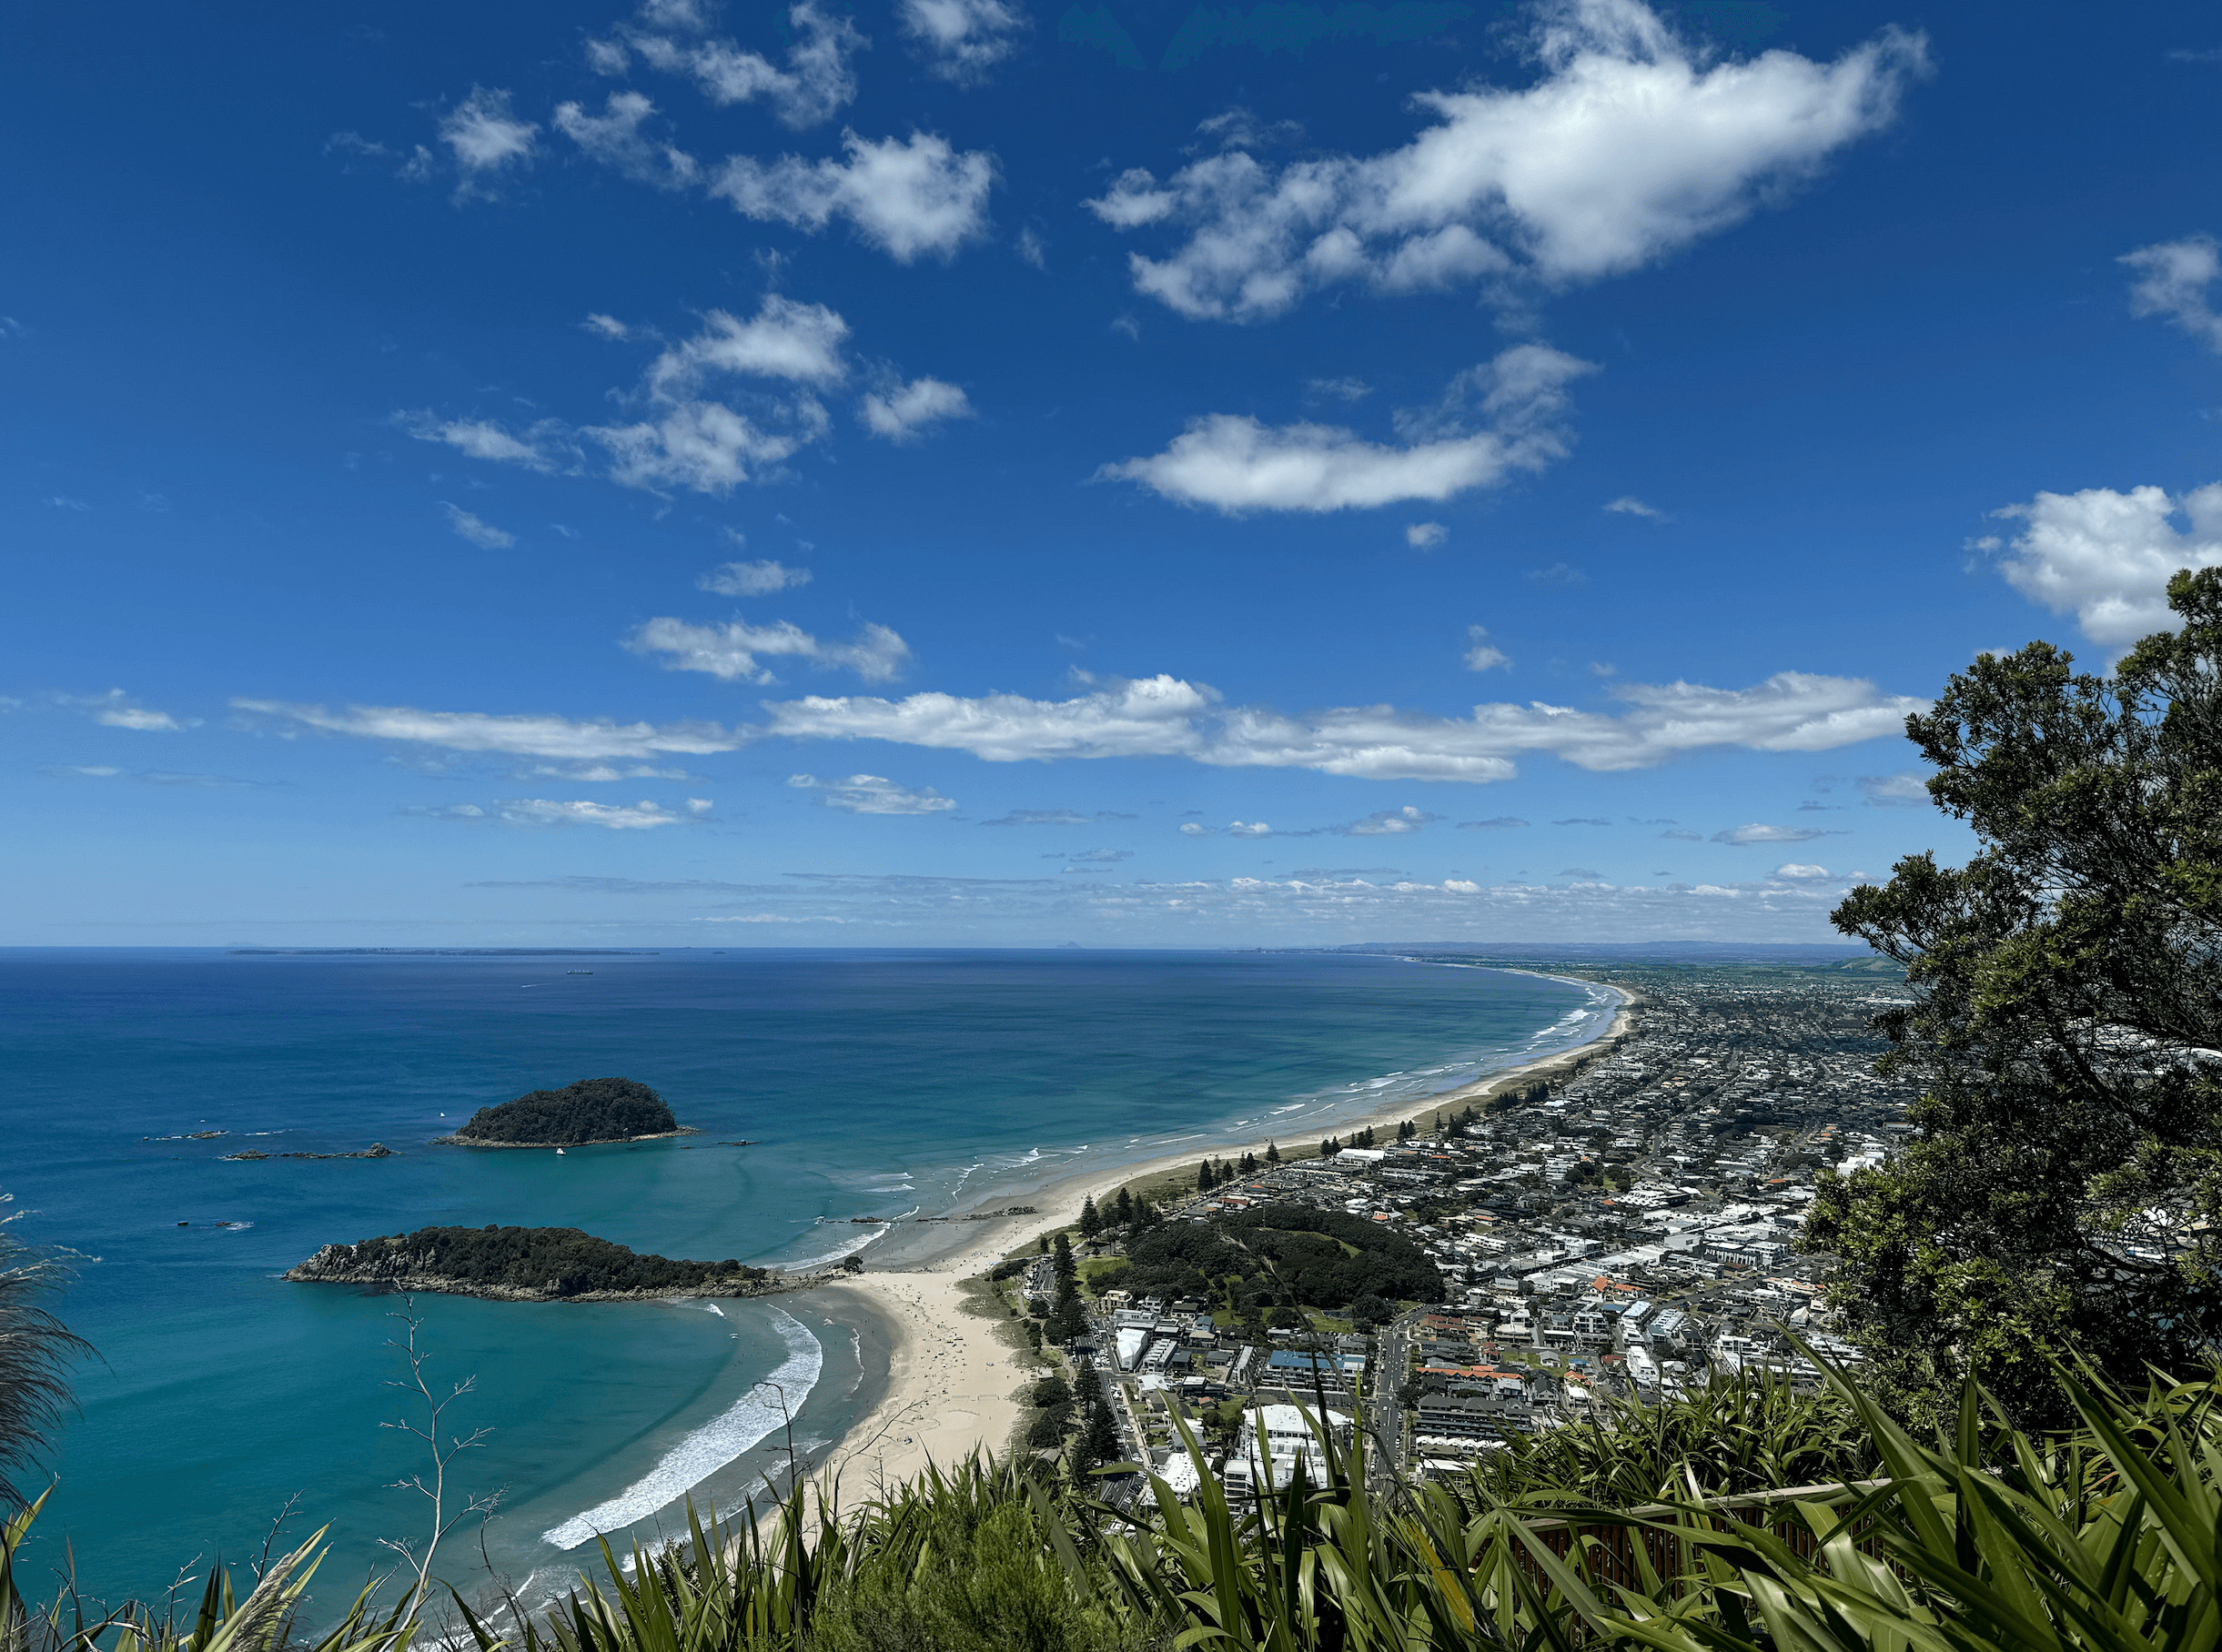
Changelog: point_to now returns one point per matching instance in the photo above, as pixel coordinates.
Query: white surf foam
(750, 1419)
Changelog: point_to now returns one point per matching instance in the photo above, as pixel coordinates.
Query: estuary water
(880, 1084)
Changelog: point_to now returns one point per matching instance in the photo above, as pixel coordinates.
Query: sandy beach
(954, 1378)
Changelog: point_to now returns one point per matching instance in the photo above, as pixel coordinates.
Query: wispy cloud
(734, 652)
(118, 710)
(525, 735)
(476, 528)
(1055, 817)
(1629, 505)
(1481, 654)
(753, 578)
(872, 794)
(903, 412)
(1758, 832)
(486, 140)
(911, 198)
(2172, 280)
(962, 40)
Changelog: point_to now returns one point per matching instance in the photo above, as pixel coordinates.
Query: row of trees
(561, 1261)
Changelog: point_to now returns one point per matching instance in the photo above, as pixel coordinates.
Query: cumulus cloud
(753, 578)
(614, 138)
(783, 339)
(1195, 830)
(1165, 716)
(817, 81)
(525, 735)
(903, 412)
(2172, 280)
(1629, 505)
(1483, 655)
(908, 198)
(1494, 422)
(615, 817)
(485, 138)
(1758, 833)
(733, 652)
(962, 40)
(477, 528)
(2106, 557)
(1798, 871)
(1629, 145)
(872, 794)
(1248, 829)
(1426, 535)
(706, 445)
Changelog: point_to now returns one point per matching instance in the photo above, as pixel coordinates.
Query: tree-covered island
(591, 1112)
(524, 1264)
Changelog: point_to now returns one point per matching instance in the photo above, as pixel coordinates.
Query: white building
(1288, 1441)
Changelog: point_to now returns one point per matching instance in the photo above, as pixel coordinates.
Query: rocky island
(592, 1113)
(525, 1264)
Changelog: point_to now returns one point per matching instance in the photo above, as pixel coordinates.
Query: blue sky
(1006, 472)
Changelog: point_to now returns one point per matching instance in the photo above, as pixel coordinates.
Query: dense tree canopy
(2064, 1185)
(592, 1110)
(561, 1261)
(1282, 1252)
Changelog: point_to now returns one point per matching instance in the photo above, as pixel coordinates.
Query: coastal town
(1627, 1228)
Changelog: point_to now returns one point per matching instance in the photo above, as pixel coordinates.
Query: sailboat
(559, 1153)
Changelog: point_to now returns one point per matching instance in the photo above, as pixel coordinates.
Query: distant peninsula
(588, 1113)
(525, 1264)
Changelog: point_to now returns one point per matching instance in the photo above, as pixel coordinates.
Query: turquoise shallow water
(875, 1083)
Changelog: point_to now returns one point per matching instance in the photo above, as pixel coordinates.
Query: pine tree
(1329, 1148)
(1067, 1270)
(1144, 1214)
(1203, 1177)
(1273, 1154)
(1091, 1224)
(1121, 1208)
(1099, 1443)
(1087, 1382)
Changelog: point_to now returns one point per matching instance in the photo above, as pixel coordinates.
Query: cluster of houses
(1634, 1233)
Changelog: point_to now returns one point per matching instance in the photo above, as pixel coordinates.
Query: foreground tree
(2063, 1192)
(35, 1352)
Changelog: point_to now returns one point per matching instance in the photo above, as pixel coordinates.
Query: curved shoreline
(951, 1384)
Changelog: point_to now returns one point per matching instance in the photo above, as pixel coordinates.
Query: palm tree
(36, 1349)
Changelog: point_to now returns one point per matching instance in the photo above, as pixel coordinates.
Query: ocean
(880, 1083)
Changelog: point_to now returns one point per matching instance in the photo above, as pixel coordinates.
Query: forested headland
(523, 1265)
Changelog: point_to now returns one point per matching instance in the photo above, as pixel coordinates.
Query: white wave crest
(750, 1418)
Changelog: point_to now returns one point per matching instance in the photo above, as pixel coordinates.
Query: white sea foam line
(752, 1417)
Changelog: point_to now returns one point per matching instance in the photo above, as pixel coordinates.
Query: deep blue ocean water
(873, 1083)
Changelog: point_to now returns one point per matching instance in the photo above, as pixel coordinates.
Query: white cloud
(1629, 505)
(485, 138)
(528, 735)
(1339, 389)
(784, 339)
(1903, 789)
(2106, 557)
(1389, 822)
(1629, 146)
(545, 446)
(753, 578)
(1483, 655)
(872, 794)
(598, 774)
(1756, 833)
(606, 327)
(476, 528)
(1495, 823)
(905, 410)
(115, 709)
(907, 198)
(1191, 829)
(614, 138)
(616, 817)
(1798, 871)
(1164, 716)
(706, 445)
(1055, 817)
(961, 40)
(1247, 829)
(1426, 535)
(818, 79)
(2173, 277)
(731, 652)
(1235, 464)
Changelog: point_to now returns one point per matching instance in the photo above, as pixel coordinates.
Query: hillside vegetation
(542, 1262)
(592, 1110)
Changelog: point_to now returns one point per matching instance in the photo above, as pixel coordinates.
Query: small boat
(578, 971)
(559, 1153)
